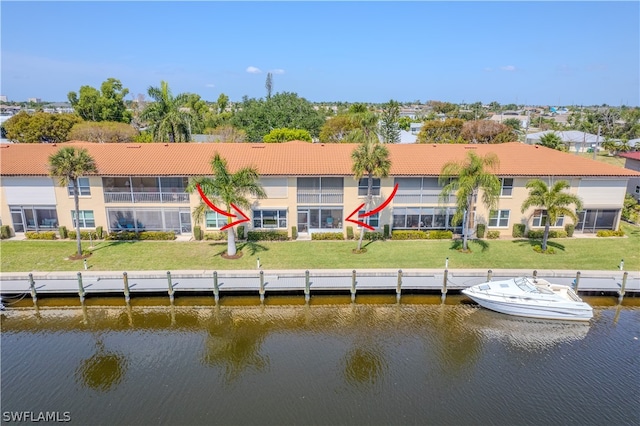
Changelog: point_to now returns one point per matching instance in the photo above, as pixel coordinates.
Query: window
(363, 186)
(269, 219)
(540, 216)
(499, 218)
(215, 220)
(373, 220)
(83, 187)
(506, 187)
(423, 218)
(86, 219)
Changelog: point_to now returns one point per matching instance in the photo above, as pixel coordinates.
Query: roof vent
(258, 146)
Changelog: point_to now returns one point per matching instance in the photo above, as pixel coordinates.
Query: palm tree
(552, 199)
(370, 158)
(465, 179)
(69, 164)
(553, 141)
(227, 188)
(167, 122)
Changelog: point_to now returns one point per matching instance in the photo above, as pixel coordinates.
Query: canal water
(329, 362)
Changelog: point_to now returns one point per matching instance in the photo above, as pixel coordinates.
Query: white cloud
(253, 70)
(508, 68)
(210, 85)
(277, 71)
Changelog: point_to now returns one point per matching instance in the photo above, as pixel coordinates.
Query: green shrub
(569, 228)
(439, 235)
(409, 235)
(197, 233)
(241, 232)
(386, 233)
(480, 229)
(46, 235)
(349, 232)
(5, 231)
(328, 236)
(272, 235)
(493, 235)
(518, 230)
(157, 235)
(84, 235)
(373, 236)
(538, 249)
(610, 233)
(123, 236)
(215, 236)
(62, 230)
(294, 232)
(537, 234)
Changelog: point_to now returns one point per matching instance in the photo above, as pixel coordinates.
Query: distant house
(523, 119)
(575, 140)
(410, 136)
(632, 162)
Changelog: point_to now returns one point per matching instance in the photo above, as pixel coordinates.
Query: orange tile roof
(298, 159)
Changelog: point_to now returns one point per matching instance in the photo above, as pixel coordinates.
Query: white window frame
(83, 187)
(363, 185)
(497, 218)
(506, 190)
(280, 217)
(539, 217)
(373, 220)
(219, 219)
(84, 219)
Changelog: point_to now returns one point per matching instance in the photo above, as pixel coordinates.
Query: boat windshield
(526, 285)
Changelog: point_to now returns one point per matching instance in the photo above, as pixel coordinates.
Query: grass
(604, 157)
(570, 253)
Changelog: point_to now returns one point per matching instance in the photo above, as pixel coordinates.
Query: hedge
(493, 235)
(45, 235)
(480, 229)
(537, 234)
(5, 231)
(421, 235)
(518, 230)
(327, 236)
(215, 236)
(267, 236)
(609, 233)
(143, 235)
(84, 235)
(349, 232)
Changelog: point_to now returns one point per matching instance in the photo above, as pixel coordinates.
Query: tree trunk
(465, 222)
(545, 236)
(366, 209)
(231, 242)
(76, 199)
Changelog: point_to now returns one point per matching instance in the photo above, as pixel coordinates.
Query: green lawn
(604, 157)
(571, 253)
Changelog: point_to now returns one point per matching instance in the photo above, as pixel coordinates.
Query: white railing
(146, 197)
(315, 197)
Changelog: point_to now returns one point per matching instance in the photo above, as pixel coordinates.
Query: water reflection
(103, 370)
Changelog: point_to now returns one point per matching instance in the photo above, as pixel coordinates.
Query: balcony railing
(422, 199)
(146, 197)
(316, 197)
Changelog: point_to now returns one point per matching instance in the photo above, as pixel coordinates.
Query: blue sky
(538, 53)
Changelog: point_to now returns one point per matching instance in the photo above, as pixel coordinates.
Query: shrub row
(46, 235)
(84, 235)
(610, 233)
(537, 234)
(328, 236)
(215, 236)
(421, 235)
(493, 235)
(143, 235)
(273, 235)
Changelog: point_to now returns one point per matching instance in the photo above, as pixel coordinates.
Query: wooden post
(32, 284)
(624, 285)
(307, 286)
(170, 286)
(576, 282)
(399, 285)
(535, 274)
(80, 288)
(489, 275)
(261, 286)
(125, 278)
(353, 285)
(216, 289)
(444, 281)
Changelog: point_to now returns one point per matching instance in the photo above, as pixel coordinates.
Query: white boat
(530, 297)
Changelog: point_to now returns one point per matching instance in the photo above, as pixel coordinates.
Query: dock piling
(170, 286)
(261, 286)
(353, 285)
(125, 279)
(80, 288)
(444, 281)
(489, 275)
(307, 286)
(32, 284)
(624, 285)
(399, 285)
(216, 289)
(535, 274)
(576, 282)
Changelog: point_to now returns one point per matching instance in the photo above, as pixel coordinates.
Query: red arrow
(208, 202)
(244, 218)
(372, 212)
